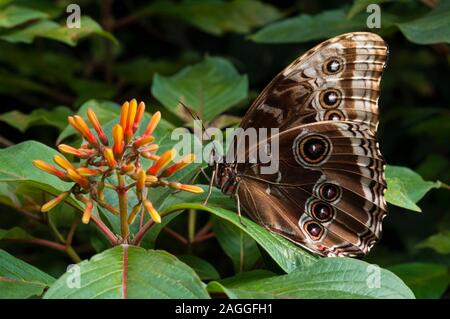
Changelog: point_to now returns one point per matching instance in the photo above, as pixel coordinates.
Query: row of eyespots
(321, 210)
(330, 98)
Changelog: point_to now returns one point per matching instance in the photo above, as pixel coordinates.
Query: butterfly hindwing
(330, 180)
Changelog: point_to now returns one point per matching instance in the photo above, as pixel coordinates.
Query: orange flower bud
(153, 123)
(49, 169)
(143, 140)
(117, 132)
(151, 179)
(185, 187)
(152, 211)
(130, 120)
(150, 148)
(109, 156)
(84, 130)
(70, 150)
(98, 128)
(55, 201)
(134, 212)
(85, 171)
(87, 212)
(139, 113)
(162, 162)
(185, 161)
(124, 115)
(127, 168)
(77, 178)
(64, 163)
(151, 156)
(140, 182)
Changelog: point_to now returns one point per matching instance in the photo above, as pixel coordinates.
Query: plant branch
(177, 236)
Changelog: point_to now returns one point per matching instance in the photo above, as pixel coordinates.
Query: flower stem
(123, 206)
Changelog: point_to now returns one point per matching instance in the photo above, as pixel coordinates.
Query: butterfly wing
(325, 101)
(329, 201)
(336, 80)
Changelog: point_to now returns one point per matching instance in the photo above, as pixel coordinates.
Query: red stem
(42, 242)
(140, 234)
(105, 230)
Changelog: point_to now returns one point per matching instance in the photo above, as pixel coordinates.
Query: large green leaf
(241, 248)
(439, 242)
(56, 117)
(328, 278)
(431, 28)
(12, 16)
(425, 280)
(204, 269)
(405, 187)
(299, 29)
(130, 272)
(287, 255)
(216, 16)
(210, 88)
(52, 30)
(19, 279)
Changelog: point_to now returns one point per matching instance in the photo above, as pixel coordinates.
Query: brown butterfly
(327, 195)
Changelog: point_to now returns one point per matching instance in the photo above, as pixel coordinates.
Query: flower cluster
(99, 161)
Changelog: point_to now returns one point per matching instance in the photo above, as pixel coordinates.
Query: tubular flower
(162, 162)
(98, 128)
(87, 212)
(118, 147)
(61, 161)
(185, 161)
(152, 123)
(49, 169)
(55, 201)
(152, 211)
(118, 168)
(109, 157)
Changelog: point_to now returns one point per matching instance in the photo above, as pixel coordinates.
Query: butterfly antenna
(195, 117)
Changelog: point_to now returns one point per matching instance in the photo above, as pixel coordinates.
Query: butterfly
(328, 193)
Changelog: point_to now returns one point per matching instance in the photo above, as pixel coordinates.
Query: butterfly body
(327, 193)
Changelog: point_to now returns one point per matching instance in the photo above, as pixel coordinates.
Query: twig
(5, 142)
(141, 233)
(177, 236)
(41, 242)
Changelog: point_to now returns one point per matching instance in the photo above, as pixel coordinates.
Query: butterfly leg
(238, 203)
(210, 188)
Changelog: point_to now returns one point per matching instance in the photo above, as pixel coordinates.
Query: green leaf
(11, 16)
(52, 30)
(216, 16)
(287, 255)
(19, 279)
(361, 5)
(298, 29)
(14, 233)
(56, 117)
(105, 111)
(405, 187)
(210, 88)
(425, 280)
(130, 272)
(432, 28)
(16, 167)
(240, 247)
(328, 278)
(204, 269)
(439, 242)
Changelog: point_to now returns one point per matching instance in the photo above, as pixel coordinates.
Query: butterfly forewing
(327, 194)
